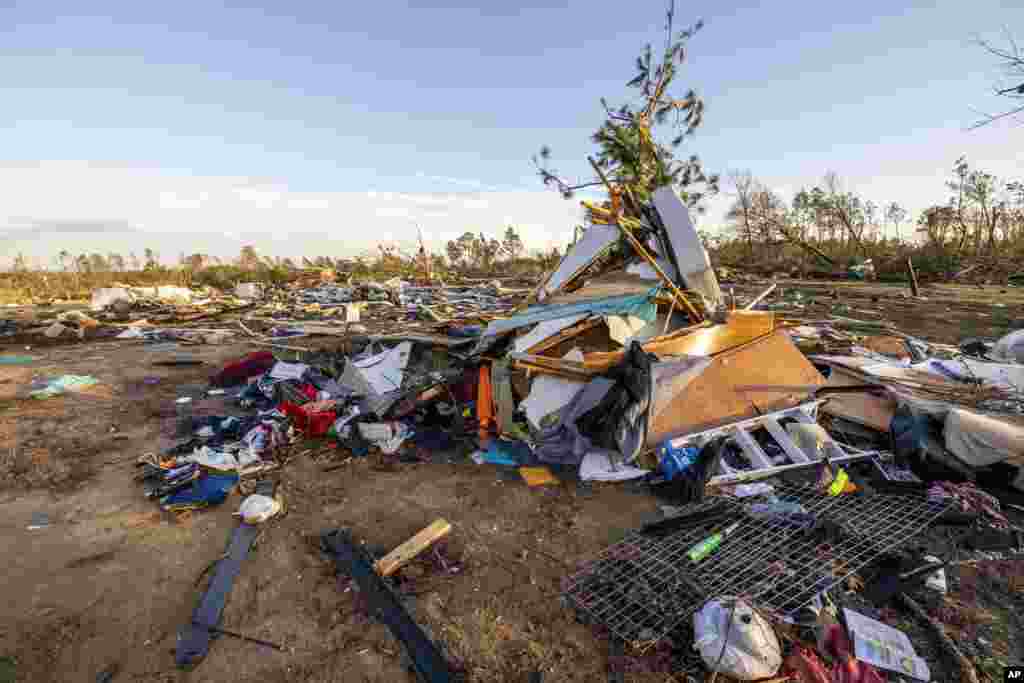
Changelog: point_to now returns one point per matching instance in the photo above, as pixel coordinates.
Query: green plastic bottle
(710, 544)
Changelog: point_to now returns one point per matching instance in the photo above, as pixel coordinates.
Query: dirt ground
(109, 581)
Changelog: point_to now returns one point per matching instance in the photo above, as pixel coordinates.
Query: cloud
(42, 229)
(461, 182)
(116, 208)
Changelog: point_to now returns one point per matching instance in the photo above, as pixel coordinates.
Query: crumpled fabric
(210, 489)
(805, 667)
(239, 371)
(969, 498)
(847, 669)
(619, 421)
(563, 442)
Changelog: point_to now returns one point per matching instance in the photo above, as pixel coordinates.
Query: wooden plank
(567, 333)
(403, 554)
(912, 276)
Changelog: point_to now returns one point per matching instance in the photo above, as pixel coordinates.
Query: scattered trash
(40, 520)
(791, 455)
(257, 509)
(13, 359)
(537, 476)
(64, 384)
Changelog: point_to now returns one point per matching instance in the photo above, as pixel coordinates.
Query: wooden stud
(403, 554)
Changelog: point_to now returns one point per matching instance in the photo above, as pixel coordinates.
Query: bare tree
(1011, 82)
(741, 212)
(896, 214)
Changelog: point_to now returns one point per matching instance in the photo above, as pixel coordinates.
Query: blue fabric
(638, 305)
(210, 489)
(511, 453)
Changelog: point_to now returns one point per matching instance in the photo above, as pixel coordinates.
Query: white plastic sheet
(598, 467)
(748, 649)
(549, 394)
(381, 373)
(257, 509)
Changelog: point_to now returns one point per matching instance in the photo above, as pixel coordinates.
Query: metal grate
(643, 587)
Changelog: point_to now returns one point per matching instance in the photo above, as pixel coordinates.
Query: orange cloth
(485, 404)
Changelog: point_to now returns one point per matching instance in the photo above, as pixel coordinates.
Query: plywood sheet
(712, 399)
(869, 410)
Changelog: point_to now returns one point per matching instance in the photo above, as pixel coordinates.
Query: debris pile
(797, 462)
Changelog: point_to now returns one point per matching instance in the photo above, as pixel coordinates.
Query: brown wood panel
(712, 399)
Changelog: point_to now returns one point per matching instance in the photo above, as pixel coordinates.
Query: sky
(312, 128)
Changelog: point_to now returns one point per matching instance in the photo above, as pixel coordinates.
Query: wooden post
(913, 278)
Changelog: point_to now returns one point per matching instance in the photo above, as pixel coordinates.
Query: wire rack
(643, 587)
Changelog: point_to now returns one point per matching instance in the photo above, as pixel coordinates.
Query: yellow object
(751, 323)
(838, 484)
(537, 476)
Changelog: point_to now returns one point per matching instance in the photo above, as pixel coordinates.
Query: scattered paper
(884, 646)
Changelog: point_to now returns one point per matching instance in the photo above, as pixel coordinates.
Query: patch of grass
(8, 670)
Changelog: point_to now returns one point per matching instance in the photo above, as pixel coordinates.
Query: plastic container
(675, 460)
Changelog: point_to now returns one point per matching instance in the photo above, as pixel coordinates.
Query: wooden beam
(913, 278)
(403, 554)
(567, 333)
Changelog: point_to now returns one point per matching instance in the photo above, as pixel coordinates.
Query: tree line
(826, 225)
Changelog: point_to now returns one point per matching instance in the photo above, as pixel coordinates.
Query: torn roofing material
(638, 305)
(596, 241)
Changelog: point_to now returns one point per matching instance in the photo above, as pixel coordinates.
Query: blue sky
(309, 128)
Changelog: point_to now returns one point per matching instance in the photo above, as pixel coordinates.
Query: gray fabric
(979, 440)
(562, 442)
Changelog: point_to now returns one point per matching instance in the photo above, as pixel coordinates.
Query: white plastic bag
(257, 508)
(746, 650)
